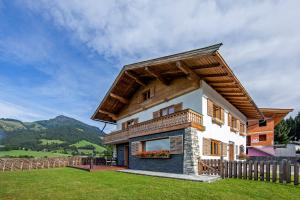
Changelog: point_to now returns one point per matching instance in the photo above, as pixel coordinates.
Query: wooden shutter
(206, 147)
(124, 125)
(152, 92)
(224, 150)
(238, 123)
(210, 108)
(136, 147)
(222, 115)
(156, 114)
(178, 107)
(229, 119)
(176, 144)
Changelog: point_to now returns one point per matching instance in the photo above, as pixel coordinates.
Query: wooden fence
(284, 171)
(14, 164)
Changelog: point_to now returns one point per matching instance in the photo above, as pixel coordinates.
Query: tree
(282, 133)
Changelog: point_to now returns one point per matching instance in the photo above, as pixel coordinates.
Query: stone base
(191, 151)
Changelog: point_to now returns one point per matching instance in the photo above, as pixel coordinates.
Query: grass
(45, 141)
(83, 143)
(37, 154)
(67, 183)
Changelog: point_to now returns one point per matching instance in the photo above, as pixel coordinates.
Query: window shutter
(229, 119)
(176, 144)
(178, 107)
(238, 124)
(210, 107)
(124, 125)
(222, 115)
(156, 114)
(224, 152)
(136, 147)
(206, 147)
(152, 92)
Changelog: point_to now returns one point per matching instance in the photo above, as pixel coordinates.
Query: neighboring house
(174, 110)
(260, 132)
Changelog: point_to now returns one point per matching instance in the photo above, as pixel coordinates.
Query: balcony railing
(175, 121)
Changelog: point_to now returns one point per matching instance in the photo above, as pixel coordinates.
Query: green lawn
(36, 154)
(84, 143)
(67, 183)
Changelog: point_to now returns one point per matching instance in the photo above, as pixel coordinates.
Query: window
(146, 95)
(262, 122)
(217, 112)
(233, 122)
(262, 137)
(167, 111)
(215, 148)
(129, 123)
(242, 128)
(153, 145)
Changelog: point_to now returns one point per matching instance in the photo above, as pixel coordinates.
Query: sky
(60, 57)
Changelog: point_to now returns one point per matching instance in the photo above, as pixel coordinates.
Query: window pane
(171, 110)
(163, 144)
(164, 112)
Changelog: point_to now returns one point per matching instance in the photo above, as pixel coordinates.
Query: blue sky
(60, 57)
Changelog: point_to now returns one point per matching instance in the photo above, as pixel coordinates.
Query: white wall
(190, 100)
(215, 131)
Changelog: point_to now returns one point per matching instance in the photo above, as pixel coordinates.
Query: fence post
(226, 169)
(250, 170)
(230, 169)
(235, 169)
(274, 171)
(262, 170)
(255, 170)
(288, 172)
(296, 173)
(245, 170)
(282, 171)
(239, 169)
(268, 171)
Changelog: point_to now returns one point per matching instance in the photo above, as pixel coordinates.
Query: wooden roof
(202, 64)
(275, 113)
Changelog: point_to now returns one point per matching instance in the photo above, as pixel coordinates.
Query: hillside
(57, 135)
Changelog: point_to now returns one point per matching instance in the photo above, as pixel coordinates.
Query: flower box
(162, 154)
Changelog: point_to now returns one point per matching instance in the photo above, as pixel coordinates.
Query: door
(231, 151)
(126, 155)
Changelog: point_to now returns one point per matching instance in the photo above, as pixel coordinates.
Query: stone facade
(191, 151)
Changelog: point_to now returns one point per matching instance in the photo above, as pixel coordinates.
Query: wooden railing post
(230, 169)
(262, 170)
(282, 171)
(296, 173)
(268, 171)
(255, 170)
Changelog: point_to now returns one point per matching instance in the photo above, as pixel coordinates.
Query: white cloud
(261, 37)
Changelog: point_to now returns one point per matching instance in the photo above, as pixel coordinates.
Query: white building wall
(190, 100)
(215, 131)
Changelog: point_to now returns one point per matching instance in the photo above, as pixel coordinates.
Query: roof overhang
(275, 113)
(204, 64)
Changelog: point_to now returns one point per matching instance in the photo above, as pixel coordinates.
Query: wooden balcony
(179, 120)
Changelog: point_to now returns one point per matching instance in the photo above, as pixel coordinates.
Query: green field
(37, 154)
(84, 143)
(45, 141)
(67, 183)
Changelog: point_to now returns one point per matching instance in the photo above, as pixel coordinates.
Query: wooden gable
(177, 72)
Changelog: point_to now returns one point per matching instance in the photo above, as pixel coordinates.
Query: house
(174, 110)
(260, 132)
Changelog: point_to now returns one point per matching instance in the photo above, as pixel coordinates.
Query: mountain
(59, 133)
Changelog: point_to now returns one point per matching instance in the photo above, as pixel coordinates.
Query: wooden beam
(121, 99)
(220, 81)
(213, 65)
(157, 76)
(233, 95)
(113, 116)
(191, 75)
(135, 78)
(213, 75)
(225, 86)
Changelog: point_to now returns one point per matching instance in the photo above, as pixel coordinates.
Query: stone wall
(191, 151)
